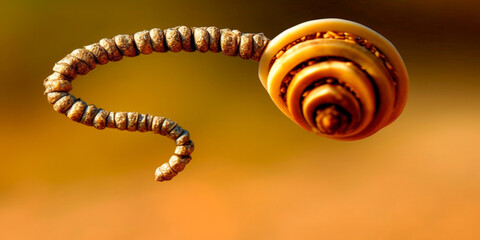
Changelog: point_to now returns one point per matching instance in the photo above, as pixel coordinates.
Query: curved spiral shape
(336, 78)
(83, 60)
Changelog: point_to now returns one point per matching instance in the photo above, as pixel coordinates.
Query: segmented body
(81, 61)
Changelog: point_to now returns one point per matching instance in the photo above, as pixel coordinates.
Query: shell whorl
(336, 78)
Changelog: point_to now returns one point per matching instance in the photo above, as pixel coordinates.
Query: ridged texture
(339, 84)
(83, 60)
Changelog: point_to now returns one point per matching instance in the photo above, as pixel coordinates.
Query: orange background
(254, 173)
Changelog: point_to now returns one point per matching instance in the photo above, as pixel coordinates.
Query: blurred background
(254, 174)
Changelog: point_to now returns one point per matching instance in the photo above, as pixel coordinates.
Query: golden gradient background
(255, 174)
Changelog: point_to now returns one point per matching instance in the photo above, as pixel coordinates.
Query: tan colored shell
(336, 78)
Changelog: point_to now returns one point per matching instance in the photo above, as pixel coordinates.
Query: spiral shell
(336, 78)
